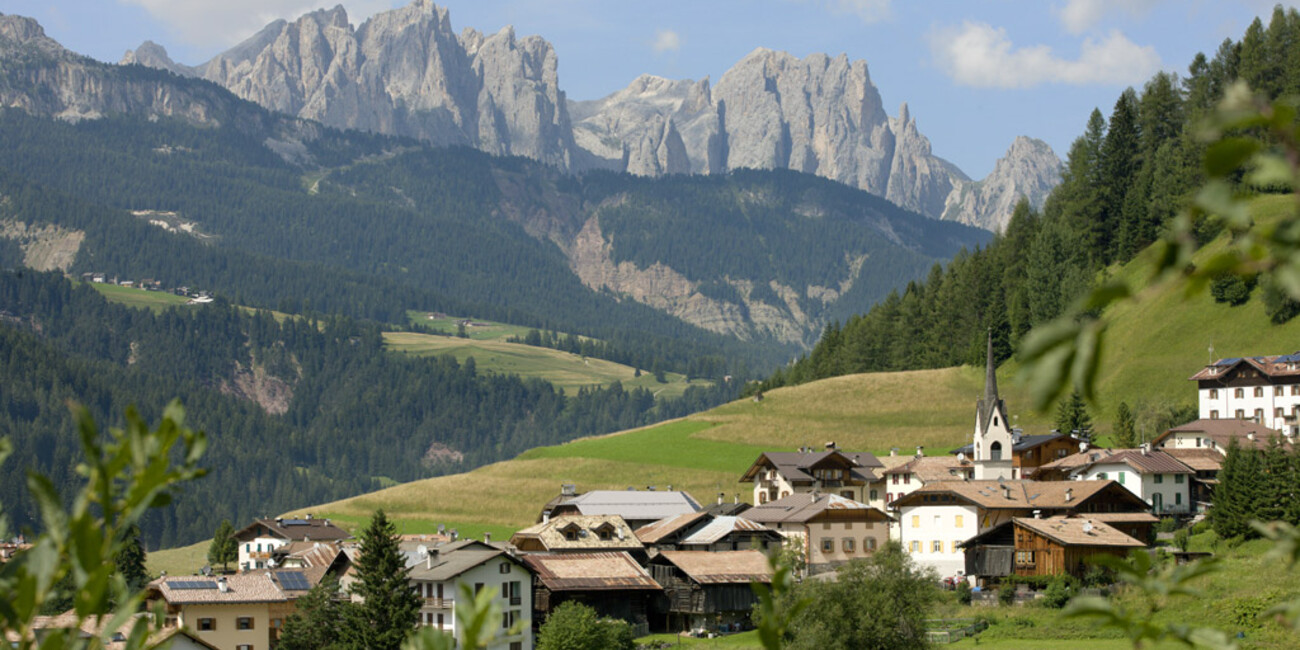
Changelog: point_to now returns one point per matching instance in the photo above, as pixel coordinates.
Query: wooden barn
(1044, 547)
(710, 590)
(612, 583)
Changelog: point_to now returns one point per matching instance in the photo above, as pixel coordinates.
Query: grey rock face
(1030, 169)
(403, 72)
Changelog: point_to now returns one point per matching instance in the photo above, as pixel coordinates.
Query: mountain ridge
(406, 72)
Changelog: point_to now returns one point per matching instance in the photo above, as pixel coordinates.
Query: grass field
(562, 369)
(481, 330)
(133, 297)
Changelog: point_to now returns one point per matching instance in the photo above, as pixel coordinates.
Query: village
(1007, 505)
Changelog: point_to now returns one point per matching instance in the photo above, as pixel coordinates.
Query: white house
(437, 573)
(1154, 476)
(778, 474)
(262, 543)
(832, 529)
(934, 520)
(1263, 389)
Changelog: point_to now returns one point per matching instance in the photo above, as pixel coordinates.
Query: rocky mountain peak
(20, 35)
(1030, 169)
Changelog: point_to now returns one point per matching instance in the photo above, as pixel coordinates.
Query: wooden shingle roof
(590, 572)
(725, 567)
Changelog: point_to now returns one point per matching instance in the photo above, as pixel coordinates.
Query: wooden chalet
(710, 591)
(612, 583)
(1044, 547)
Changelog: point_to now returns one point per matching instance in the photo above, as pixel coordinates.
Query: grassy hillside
(563, 369)
(133, 297)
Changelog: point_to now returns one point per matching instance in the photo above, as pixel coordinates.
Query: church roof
(991, 404)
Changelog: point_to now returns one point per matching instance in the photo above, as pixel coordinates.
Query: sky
(974, 74)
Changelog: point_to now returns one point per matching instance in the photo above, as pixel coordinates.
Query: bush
(1167, 525)
(1059, 591)
(574, 626)
(1201, 527)
(1182, 539)
(1278, 303)
(963, 592)
(1007, 593)
(1232, 288)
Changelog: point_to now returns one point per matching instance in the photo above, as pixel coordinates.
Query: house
(1044, 547)
(636, 507)
(90, 628)
(704, 532)
(1205, 465)
(777, 475)
(240, 612)
(665, 534)
(437, 573)
(710, 591)
(1218, 435)
(831, 529)
(612, 583)
(260, 540)
(908, 476)
(1154, 476)
(578, 534)
(1264, 389)
(934, 520)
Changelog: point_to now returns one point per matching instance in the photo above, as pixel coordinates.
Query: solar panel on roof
(1227, 362)
(293, 580)
(192, 584)
(1289, 358)
(296, 522)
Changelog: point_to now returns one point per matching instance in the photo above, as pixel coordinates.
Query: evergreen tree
(315, 624)
(130, 560)
(1125, 433)
(389, 609)
(224, 548)
(1072, 415)
(1116, 172)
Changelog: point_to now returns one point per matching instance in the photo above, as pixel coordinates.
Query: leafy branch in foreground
(1254, 145)
(125, 475)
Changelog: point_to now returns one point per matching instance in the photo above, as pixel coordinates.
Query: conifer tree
(224, 548)
(130, 559)
(1072, 415)
(1125, 433)
(390, 608)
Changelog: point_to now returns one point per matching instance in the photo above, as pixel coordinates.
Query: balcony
(515, 601)
(439, 603)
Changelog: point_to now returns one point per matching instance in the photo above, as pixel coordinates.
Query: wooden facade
(1037, 555)
(1044, 547)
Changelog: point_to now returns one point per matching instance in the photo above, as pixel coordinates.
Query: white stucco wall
(489, 574)
(1175, 490)
(920, 527)
(1225, 402)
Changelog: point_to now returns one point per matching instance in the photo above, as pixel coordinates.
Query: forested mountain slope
(1126, 178)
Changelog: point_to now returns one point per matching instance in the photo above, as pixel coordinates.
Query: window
(247, 646)
(1259, 415)
(826, 525)
(244, 623)
(207, 624)
(847, 544)
(889, 498)
(513, 592)
(1178, 478)
(936, 547)
(1062, 453)
(478, 586)
(1277, 391)
(916, 521)
(1178, 498)
(1214, 415)
(1259, 391)
(907, 479)
(915, 547)
(1240, 414)
(1295, 389)
(1214, 393)
(1279, 412)
(1101, 476)
(440, 621)
(869, 544)
(1239, 392)
(958, 522)
(828, 545)
(508, 619)
(874, 495)
(516, 645)
(895, 479)
(1160, 478)
(995, 451)
(1024, 558)
(1123, 474)
(762, 497)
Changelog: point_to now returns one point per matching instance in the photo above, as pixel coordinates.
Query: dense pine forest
(1125, 179)
(338, 414)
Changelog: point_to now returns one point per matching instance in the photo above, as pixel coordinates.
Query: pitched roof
(316, 530)
(450, 560)
(1223, 432)
(797, 466)
(654, 532)
(1078, 531)
(1124, 517)
(615, 571)
(1021, 494)
(1201, 460)
(723, 567)
(1022, 443)
(550, 534)
(1285, 365)
(632, 504)
(934, 468)
(1148, 462)
(804, 506)
(720, 527)
(258, 587)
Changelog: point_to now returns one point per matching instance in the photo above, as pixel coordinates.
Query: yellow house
(238, 612)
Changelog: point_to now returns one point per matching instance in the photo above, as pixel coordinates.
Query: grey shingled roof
(450, 560)
(634, 504)
(803, 506)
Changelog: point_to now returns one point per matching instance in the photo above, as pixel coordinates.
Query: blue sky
(974, 74)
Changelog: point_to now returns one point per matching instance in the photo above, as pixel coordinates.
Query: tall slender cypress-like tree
(1125, 435)
(131, 558)
(390, 608)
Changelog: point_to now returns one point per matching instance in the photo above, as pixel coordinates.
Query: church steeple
(990, 375)
(990, 411)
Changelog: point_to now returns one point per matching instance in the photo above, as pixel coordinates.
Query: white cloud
(667, 40)
(1078, 16)
(869, 11)
(207, 23)
(978, 54)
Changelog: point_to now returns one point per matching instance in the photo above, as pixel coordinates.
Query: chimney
(309, 516)
(1145, 447)
(831, 446)
(455, 534)
(893, 451)
(670, 487)
(1069, 494)
(920, 451)
(487, 537)
(737, 501)
(720, 496)
(1250, 436)
(1083, 446)
(279, 522)
(222, 586)
(1038, 514)
(1006, 492)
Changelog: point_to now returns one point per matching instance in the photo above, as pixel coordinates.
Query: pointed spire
(990, 376)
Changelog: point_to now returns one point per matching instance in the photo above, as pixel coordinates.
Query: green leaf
(1225, 156)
